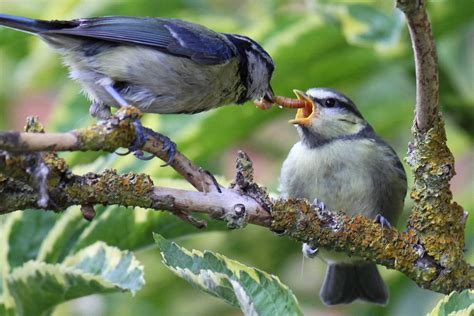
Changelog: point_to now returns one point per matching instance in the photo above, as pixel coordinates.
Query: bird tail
(346, 282)
(30, 25)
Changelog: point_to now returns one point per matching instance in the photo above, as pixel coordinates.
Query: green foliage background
(359, 47)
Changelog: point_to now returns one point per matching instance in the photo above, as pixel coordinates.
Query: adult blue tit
(158, 65)
(341, 161)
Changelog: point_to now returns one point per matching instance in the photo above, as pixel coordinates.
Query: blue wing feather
(172, 36)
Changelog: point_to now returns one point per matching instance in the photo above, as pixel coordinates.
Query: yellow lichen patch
(116, 132)
(33, 125)
(437, 221)
(108, 139)
(360, 236)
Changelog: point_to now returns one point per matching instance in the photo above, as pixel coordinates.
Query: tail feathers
(32, 25)
(345, 283)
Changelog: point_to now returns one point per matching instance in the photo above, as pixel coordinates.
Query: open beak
(305, 114)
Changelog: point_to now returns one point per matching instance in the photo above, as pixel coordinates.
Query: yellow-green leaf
(455, 304)
(254, 291)
(37, 286)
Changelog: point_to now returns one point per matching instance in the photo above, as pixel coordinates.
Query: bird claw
(140, 155)
(382, 221)
(308, 251)
(168, 145)
(142, 135)
(122, 154)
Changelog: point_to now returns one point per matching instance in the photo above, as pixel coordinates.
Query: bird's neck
(313, 139)
(253, 70)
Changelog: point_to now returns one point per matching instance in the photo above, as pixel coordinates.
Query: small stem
(426, 62)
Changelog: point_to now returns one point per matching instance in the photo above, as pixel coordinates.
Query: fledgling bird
(158, 65)
(341, 161)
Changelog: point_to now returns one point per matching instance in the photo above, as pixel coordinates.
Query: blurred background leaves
(359, 47)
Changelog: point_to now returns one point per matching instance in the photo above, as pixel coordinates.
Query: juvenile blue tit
(158, 65)
(341, 161)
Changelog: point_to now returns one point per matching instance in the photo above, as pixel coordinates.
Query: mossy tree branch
(438, 221)
(108, 136)
(244, 202)
(430, 251)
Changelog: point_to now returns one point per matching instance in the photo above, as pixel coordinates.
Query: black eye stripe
(339, 104)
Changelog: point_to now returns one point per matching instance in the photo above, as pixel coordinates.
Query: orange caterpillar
(281, 101)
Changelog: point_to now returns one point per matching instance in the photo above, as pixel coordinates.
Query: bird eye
(330, 102)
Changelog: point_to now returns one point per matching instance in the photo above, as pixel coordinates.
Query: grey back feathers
(159, 65)
(171, 36)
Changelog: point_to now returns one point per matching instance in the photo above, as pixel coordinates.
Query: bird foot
(308, 251)
(142, 135)
(382, 221)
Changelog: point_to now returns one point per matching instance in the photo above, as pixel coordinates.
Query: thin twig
(426, 63)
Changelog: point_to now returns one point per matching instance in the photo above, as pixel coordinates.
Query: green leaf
(37, 286)
(62, 236)
(23, 234)
(455, 304)
(366, 25)
(254, 291)
(455, 59)
(4, 311)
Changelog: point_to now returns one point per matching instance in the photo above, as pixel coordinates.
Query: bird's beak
(269, 95)
(267, 100)
(305, 114)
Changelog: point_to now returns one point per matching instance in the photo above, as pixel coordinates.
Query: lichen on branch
(360, 236)
(438, 221)
(430, 251)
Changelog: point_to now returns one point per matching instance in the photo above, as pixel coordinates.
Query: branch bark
(430, 251)
(244, 202)
(438, 221)
(426, 62)
(109, 135)
(129, 189)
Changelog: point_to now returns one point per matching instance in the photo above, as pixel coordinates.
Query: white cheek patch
(333, 114)
(258, 72)
(334, 122)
